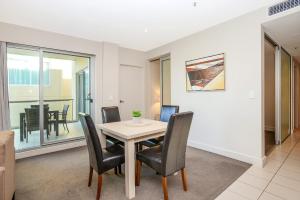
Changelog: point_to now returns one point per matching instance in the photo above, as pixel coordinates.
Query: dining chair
(168, 158)
(63, 119)
(165, 114)
(100, 161)
(32, 120)
(109, 115)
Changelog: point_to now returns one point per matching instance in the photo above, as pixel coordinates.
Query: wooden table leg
(130, 169)
(102, 138)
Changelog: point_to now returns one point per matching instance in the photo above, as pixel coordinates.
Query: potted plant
(137, 116)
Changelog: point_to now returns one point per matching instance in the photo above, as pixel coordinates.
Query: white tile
(277, 155)
(283, 192)
(287, 182)
(245, 190)
(260, 172)
(268, 196)
(289, 174)
(272, 165)
(291, 167)
(228, 195)
(260, 183)
(292, 157)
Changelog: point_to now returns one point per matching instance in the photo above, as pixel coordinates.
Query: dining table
(131, 132)
(54, 113)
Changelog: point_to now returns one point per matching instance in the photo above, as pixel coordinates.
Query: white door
(131, 91)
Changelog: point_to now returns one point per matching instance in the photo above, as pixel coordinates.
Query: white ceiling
(286, 31)
(124, 21)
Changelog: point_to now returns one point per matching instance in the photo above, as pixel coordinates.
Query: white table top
(130, 130)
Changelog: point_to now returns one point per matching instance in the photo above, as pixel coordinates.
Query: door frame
(161, 60)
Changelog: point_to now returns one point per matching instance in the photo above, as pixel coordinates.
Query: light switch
(251, 95)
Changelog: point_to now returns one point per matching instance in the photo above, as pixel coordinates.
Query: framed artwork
(206, 74)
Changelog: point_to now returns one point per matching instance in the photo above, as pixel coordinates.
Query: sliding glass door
(23, 86)
(47, 90)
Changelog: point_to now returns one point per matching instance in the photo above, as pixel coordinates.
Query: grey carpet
(64, 176)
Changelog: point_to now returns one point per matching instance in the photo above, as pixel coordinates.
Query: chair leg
(90, 176)
(183, 177)
(67, 127)
(99, 187)
(26, 136)
(138, 172)
(120, 169)
(116, 170)
(165, 187)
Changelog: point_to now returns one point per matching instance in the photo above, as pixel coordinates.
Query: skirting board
(50, 149)
(231, 154)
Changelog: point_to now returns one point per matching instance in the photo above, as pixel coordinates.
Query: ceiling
(137, 24)
(286, 32)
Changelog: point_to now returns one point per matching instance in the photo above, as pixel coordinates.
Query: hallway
(278, 180)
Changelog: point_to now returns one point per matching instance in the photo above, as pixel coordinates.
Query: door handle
(122, 101)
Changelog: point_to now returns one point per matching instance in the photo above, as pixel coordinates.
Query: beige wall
(269, 85)
(153, 89)
(226, 122)
(104, 75)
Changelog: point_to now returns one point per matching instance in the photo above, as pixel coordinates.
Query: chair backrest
(175, 142)
(166, 112)
(65, 112)
(32, 116)
(37, 106)
(110, 114)
(92, 140)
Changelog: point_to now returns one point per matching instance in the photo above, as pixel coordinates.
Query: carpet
(64, 176)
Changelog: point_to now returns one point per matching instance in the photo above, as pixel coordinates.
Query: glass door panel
(23, 86)
(65, 91)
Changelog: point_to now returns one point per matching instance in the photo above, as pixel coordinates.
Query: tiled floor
(278, 180)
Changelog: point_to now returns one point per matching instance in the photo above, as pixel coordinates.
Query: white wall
(226, 122)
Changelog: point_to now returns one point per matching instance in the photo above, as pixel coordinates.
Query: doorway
(286, 34)
(269, 94)
(131, 90)
(158, 85)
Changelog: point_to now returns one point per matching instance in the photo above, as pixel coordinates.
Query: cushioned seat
(112, 157)
(151, 157)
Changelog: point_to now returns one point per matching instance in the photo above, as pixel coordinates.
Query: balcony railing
(17, 107)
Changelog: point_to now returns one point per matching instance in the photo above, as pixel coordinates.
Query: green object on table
(136, 113)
